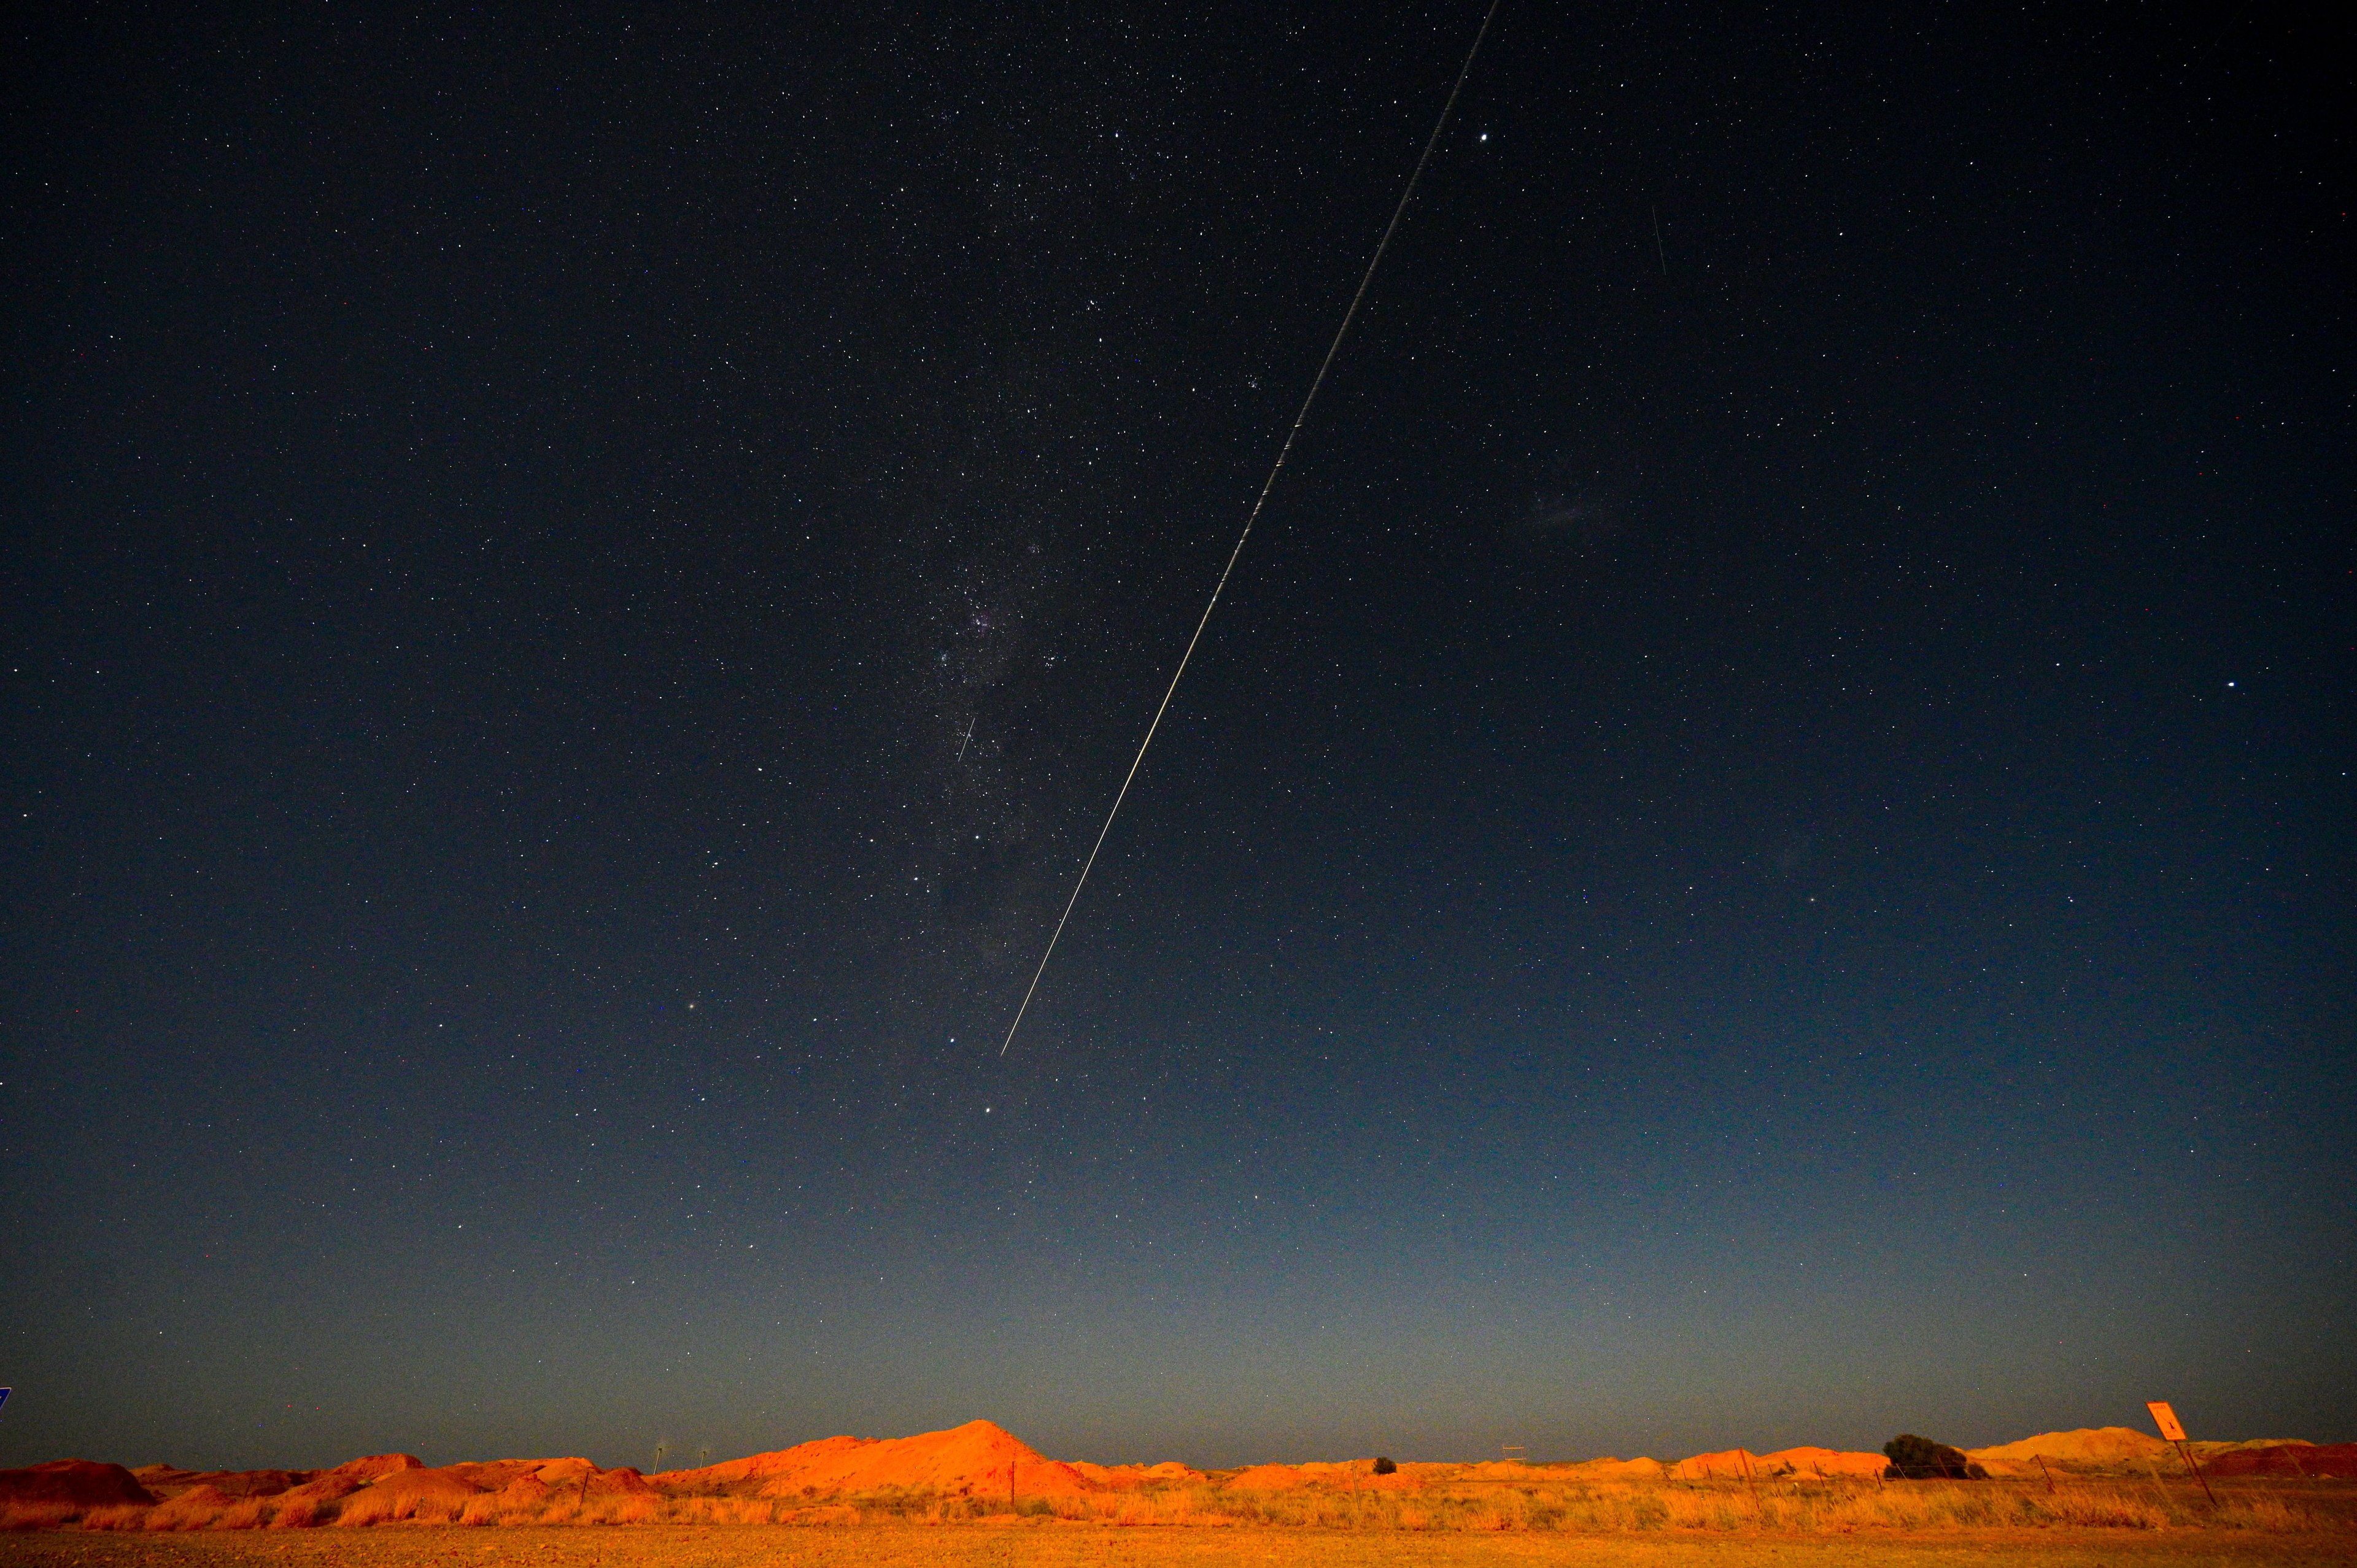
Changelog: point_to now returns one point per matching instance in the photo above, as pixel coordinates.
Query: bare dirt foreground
(1044, 1544)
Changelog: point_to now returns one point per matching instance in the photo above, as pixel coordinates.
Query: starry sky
(1758, 852)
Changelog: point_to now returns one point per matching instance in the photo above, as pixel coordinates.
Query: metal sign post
(2173, 1429)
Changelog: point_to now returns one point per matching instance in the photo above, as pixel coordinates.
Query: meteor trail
(1252, 517)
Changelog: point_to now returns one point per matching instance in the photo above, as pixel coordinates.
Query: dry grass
(1543, 1505)
(1843, 1508)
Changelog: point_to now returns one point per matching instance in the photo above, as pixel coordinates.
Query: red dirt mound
(748, 1474)
(2338, 1459)
(1341, 1476)
(1267, 1479)
(1820, 1462)
(973, 1459)
(564, 1472)
(1129, 1478)
(1738, 1464)
(2086, 1446)
(487, 1475)
(256, 1483)
(371, 1466)
(526, 1491)
(521, 1483)
(1359, 1475)
(81, 1483)
(422, 1484)
(626, 1480)
(167, 1481)
(191, 1510)
(326, 1488)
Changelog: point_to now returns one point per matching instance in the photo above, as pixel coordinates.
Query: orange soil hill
(426, 1486)
(1267, 1479)
(1129, 1478)
(191, 1510)
(81, 1483)
(2086, 1446)
(1740, 1464)
(444, 1491)
(1820, 1462)
(1610, 1469)
(332, 1486)
(1334, 1476)
(167, 1481)
(979, 1457)
(1500, 1471)
(2311, 1459)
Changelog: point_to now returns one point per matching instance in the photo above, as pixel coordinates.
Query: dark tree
(1914, 1458)
(1384, 1466)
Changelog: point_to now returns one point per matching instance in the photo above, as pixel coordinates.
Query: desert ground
(1035, 1544)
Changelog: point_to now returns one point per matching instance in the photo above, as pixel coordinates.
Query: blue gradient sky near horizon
(1759, 853)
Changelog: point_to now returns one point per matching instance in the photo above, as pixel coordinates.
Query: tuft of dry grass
(34, 1515)
(366, 1508)
(296, 1513)
(199, 1508)
(249, 1513)
(721, 1510)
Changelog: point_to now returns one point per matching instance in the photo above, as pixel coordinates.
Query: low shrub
(1914, 1458)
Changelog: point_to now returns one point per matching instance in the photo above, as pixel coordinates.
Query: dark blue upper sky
(1760, 852)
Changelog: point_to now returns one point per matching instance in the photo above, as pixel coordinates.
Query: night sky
(1759, 853)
